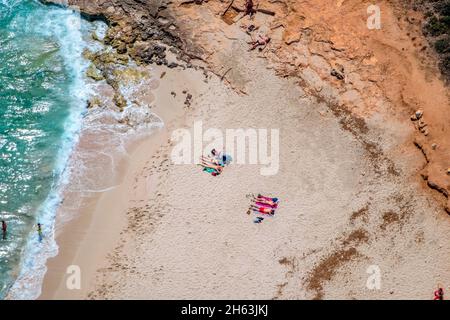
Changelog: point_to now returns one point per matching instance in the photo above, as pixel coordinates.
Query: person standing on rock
(249, 8)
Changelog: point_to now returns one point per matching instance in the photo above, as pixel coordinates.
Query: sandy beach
(351, 197)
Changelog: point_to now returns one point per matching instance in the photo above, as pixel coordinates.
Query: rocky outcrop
(136, 26)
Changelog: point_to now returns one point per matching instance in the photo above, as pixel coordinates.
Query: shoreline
(101, 222)
(35, 252)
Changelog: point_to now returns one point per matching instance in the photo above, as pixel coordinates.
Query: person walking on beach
(4, 228)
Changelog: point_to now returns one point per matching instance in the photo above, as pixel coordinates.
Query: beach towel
(211, 170)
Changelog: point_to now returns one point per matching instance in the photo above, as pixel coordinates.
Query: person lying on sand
(267, 198)
(261, 41)
(211, 171)
(265, 201)
(256, 209)
(211, 165)
(210, 160)
(222, 158)
(266, 205)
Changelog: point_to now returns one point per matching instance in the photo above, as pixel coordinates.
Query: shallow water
(42, 100)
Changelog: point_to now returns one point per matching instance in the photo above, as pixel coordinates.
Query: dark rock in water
(172, 65)
(93, 73)
(93, 103)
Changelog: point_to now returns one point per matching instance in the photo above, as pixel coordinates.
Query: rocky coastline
(146, 31)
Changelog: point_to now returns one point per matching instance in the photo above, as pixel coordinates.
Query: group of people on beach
(264, 206)
(215, 162)
(5, 230)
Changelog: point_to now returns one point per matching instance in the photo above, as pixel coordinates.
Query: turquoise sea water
(41, 105)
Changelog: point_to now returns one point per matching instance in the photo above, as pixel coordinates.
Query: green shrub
(445, 20)
(435, 27)
(443, 8)
(442, 45)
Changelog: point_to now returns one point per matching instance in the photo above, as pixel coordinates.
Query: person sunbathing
(262, 210)
(267, 198)
(222, 158)
(210, 160)
(215, 153)
(265, 205)
(261, 41)
(264, 201)
(210, 165)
